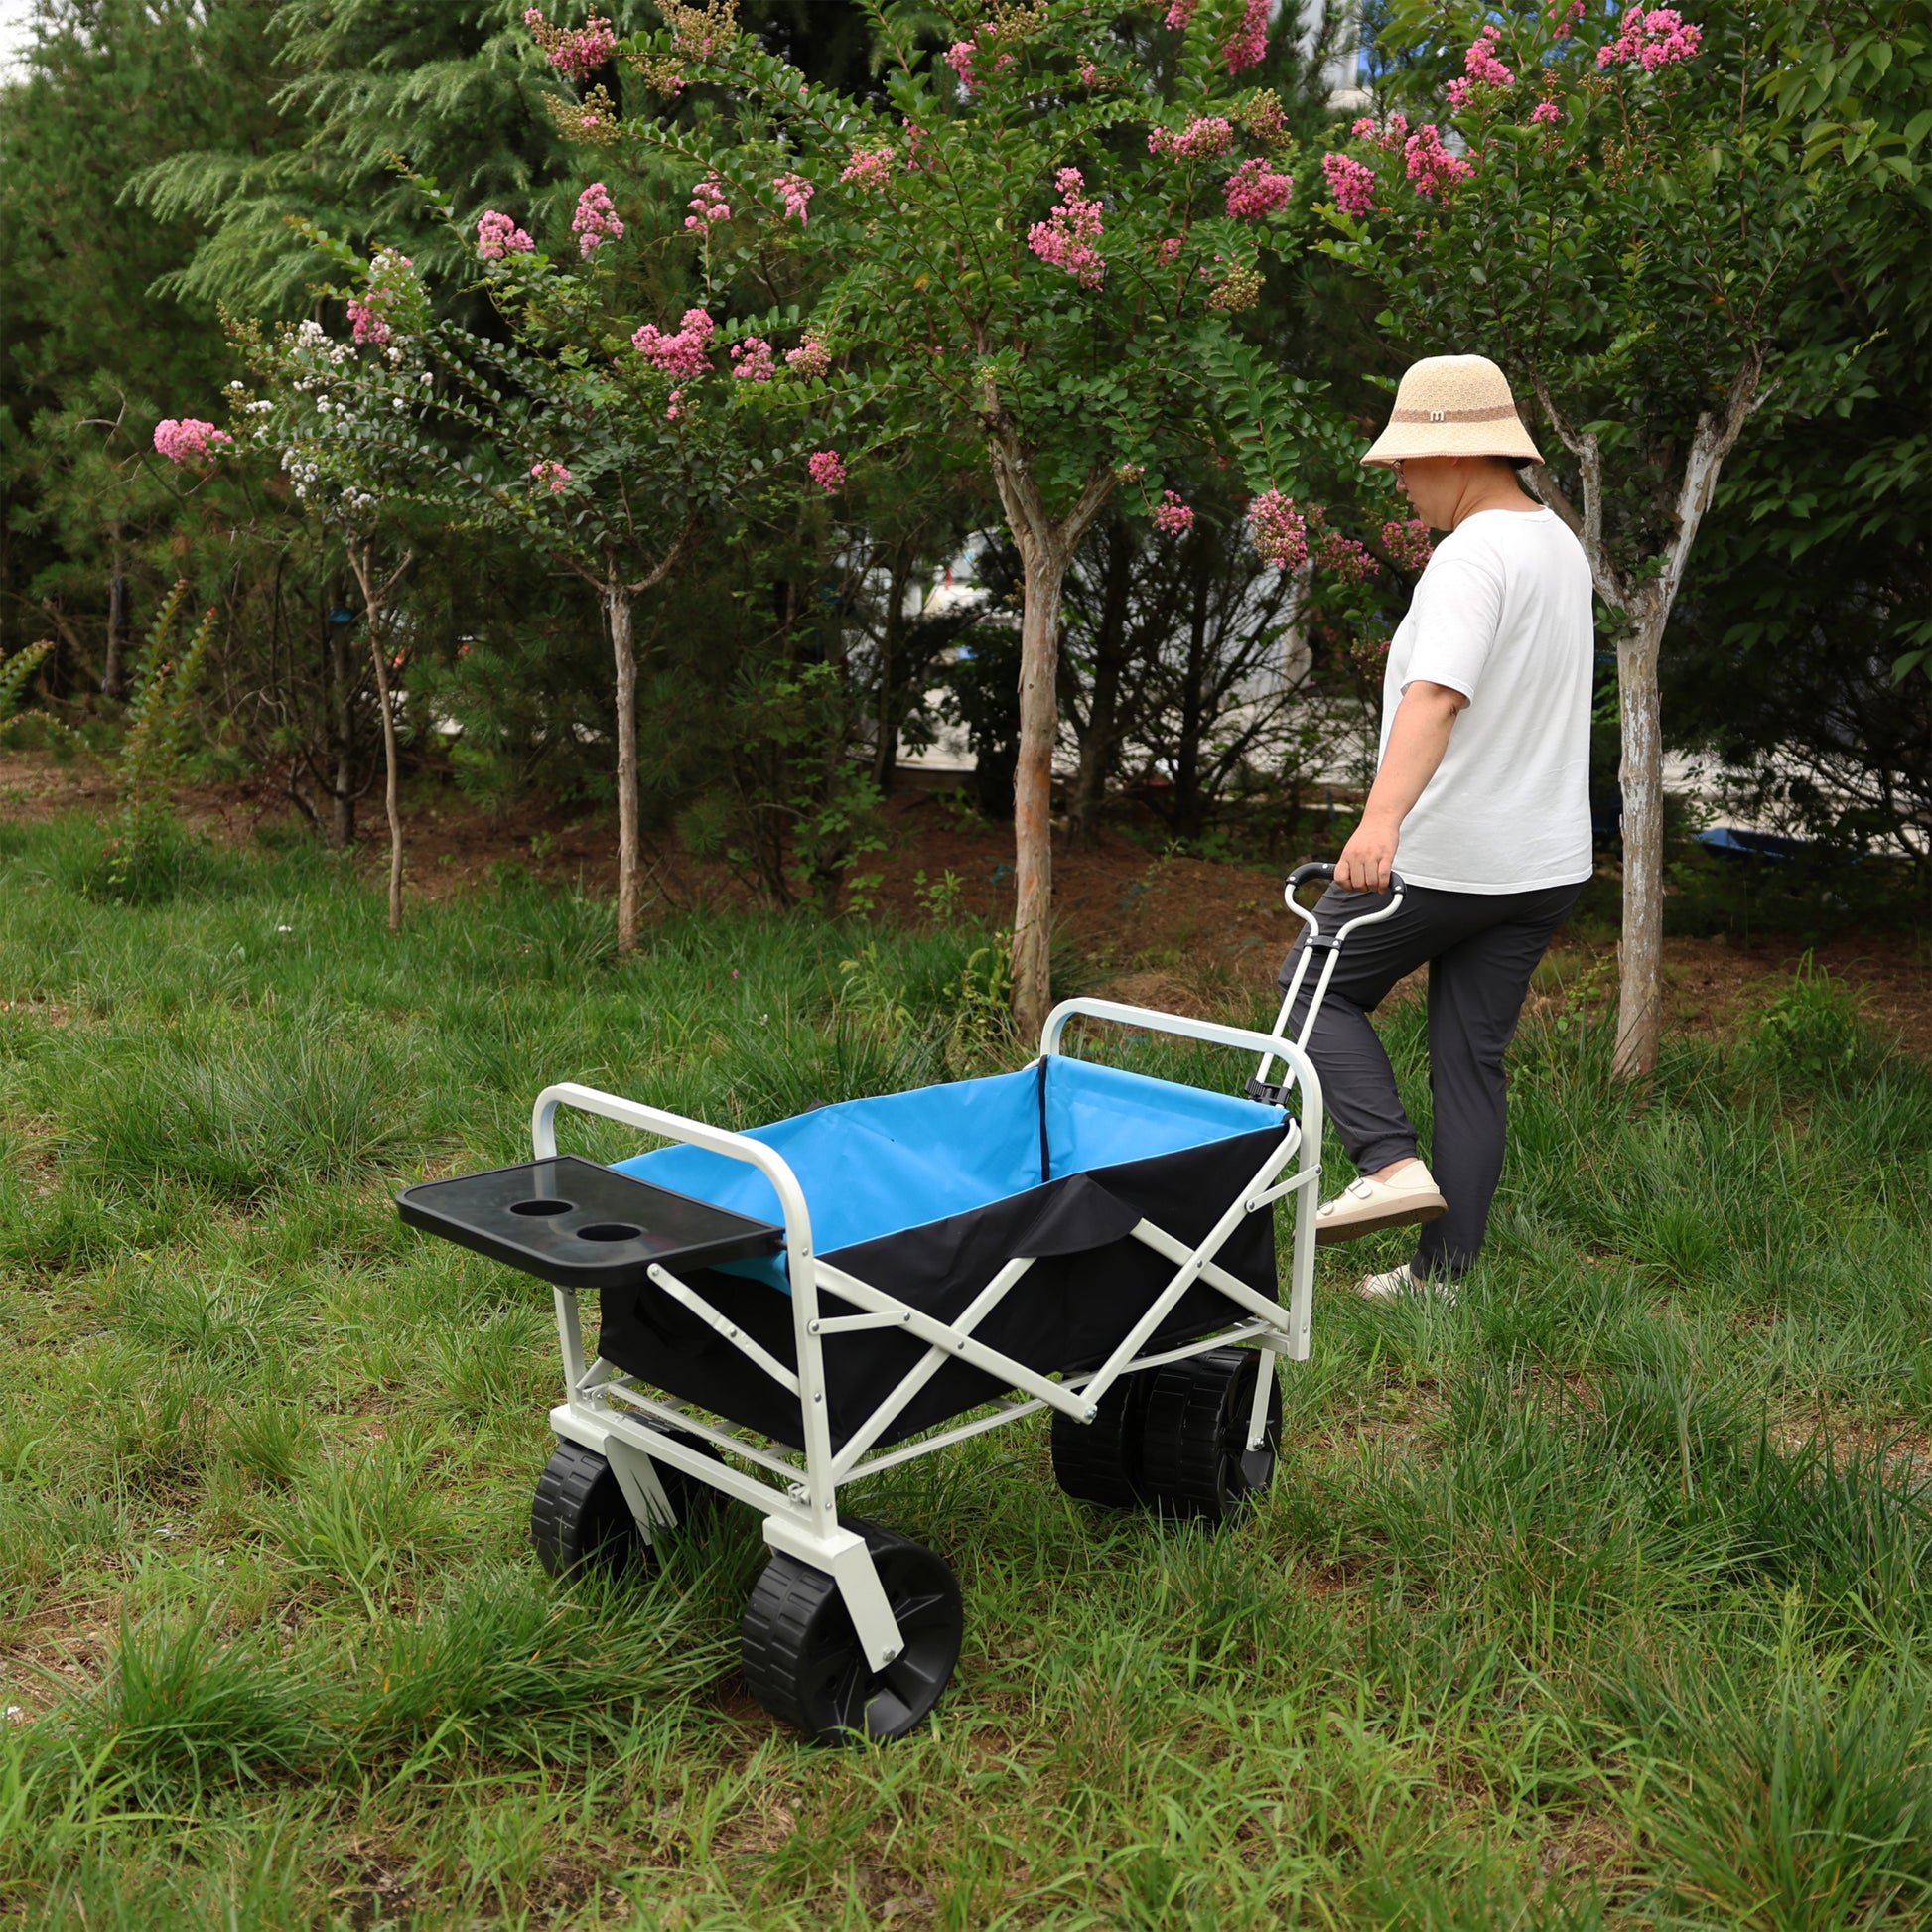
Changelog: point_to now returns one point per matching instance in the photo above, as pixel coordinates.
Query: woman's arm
(1417, 740)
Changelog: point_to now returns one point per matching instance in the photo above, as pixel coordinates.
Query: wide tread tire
(580, 1519)
(1194, 1459)
(1099, 1461)
(801, 1654)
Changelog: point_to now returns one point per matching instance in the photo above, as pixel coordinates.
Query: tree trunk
(342, 778)
(375, 602)
(885, 760)
(1047, 546)
(1032, 786)
(619, 601)
(1097, 743)
(114, 674)
(391, 805)
(1646, 601)
(1640, 952)
(1189, 807)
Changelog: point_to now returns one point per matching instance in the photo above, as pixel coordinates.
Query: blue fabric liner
(870, 1168)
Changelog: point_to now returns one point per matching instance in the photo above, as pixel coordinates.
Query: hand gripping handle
(1322, 869)
(1260, 1087)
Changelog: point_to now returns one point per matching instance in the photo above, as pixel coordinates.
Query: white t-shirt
(1503, 615)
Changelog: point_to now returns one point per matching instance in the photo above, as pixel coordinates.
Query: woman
(1481, 804)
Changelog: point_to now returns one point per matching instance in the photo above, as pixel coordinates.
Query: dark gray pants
(1481, 949)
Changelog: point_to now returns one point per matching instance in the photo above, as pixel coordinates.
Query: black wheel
(1099, 1461)
(579, 1518)
(802, 1658)
(1194, 1456)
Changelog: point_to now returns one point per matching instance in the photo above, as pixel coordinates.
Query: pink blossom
(1546, 114)
(188, 440)
(1247, 46)
(1389, 135)
(1169, 251)
(870, 168)
(497, 236)
(1280, 534)
(827, 469)
(674, 406)
(751, 360)
(811, 358)
(596, 220)
(700, 36)
(1351, 182)
(550, 475)
(959, 56)
(1432, 169)
(574, 51)
(369, 323)
(1205, 138)
(1066, 239)
(1339, 555)
(1408, 543)
(1567, 24)
(1181, 13)
(685, 355)
(388, 283)
(1089, 75)
(1480, 63)
(798, 194)
(1255, 190)
(707, 203)
(1174, 517)
(1659, 38)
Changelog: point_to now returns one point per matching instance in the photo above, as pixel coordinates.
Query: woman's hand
(1369, 856)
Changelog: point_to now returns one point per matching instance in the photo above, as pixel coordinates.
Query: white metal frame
(609, 1412)
(1329, 947)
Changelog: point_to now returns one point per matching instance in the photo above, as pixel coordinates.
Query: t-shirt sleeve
(1455, 615)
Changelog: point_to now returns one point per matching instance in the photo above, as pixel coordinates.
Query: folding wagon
(790, 1309)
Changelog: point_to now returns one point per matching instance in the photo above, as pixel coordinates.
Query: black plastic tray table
(576, 1224)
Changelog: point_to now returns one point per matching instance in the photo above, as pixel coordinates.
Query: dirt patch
(1195, 936)
(1716, 983)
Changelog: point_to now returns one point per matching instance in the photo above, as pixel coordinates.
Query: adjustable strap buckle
(1270, 1093)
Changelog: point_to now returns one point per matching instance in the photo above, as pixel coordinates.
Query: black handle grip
(1320, 869)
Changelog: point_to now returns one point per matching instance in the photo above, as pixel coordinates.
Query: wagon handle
(1273, 1092)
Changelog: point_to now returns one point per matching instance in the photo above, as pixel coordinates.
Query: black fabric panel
(1069, 1312)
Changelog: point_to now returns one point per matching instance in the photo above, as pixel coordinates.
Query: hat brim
(1452, 432)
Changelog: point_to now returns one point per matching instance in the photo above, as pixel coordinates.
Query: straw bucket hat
(1454, 405)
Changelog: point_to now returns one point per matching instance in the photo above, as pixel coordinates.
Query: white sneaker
(1409, 1194)
(1399, 1282)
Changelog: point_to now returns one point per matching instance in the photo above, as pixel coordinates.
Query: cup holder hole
(608, 1231)
(538, 1209)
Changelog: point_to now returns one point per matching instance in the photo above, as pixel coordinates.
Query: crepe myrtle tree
(602, 447)
(1623, 226)
(1030, 251)
(296, 409)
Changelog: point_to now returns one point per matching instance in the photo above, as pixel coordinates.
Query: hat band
(1505, 413)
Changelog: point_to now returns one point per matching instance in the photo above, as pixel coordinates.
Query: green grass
(1595, 1599)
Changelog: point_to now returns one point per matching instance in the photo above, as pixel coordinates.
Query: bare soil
(1158, 927)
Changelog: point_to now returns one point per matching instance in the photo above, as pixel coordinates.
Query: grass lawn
(1596, 1598)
